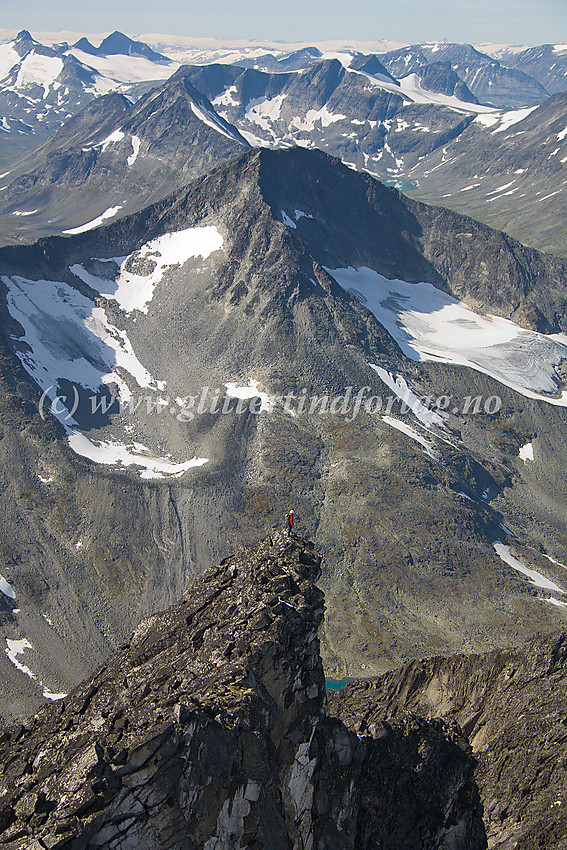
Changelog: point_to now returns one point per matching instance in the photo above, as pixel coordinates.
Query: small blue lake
(336, 684)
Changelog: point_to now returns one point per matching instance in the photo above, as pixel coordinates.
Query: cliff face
(208, 730)
(512, 705)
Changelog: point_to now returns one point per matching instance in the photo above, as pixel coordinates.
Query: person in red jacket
(290, 522)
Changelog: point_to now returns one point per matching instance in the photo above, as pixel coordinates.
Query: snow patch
(504, 553)
(488, 120)
(500, 188)
(90, 225)
(288, 221)
(8, 58)
(121, 68)
(263, 111)
(253, 140)
(322, 115)
(135, 150)
(411, 86)
(211, 120)
(36, 69)
(508, 119)
(399, 386)
(112, 453)
(411, 432)
(15, 648)
(115, 137)
(227, 98)
(556, 602)
(6, 588)
(135, 291)
(50, 695)
(553, 561)
(69, 338)
(527, 452)
(249, 392)
(18, 647)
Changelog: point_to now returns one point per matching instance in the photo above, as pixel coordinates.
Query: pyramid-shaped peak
(118, 43)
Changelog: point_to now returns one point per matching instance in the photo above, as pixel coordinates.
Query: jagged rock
(207, 730)
(512, 704)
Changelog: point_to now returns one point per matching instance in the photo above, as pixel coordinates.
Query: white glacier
(429, 324)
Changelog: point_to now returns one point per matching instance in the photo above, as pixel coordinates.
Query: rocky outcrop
(207, 730)
(512, 705)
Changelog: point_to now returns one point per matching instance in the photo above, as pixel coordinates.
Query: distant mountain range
(425, 132)
(42, 87)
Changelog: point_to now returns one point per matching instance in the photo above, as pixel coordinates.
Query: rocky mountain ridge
(512, 707)
(207, 729)
(116, 157)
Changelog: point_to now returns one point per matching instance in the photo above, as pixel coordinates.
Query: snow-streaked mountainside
(416, 117)
(198, 364)
(364, 116)
(41, 87)
(546, 63)
(115, 157)
(509, 173)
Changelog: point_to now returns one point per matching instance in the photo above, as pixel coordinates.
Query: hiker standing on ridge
(290, 523)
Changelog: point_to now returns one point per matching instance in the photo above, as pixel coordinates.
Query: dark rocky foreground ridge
(512, 705)
(208, 730)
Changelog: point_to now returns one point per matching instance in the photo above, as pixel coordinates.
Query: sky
(472, 21)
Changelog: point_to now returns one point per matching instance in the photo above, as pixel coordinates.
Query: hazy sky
(509, 21)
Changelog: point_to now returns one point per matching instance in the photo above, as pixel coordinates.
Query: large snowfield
(70, 339)
(429, 324)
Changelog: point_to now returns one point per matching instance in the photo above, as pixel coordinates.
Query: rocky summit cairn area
(208, 730)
